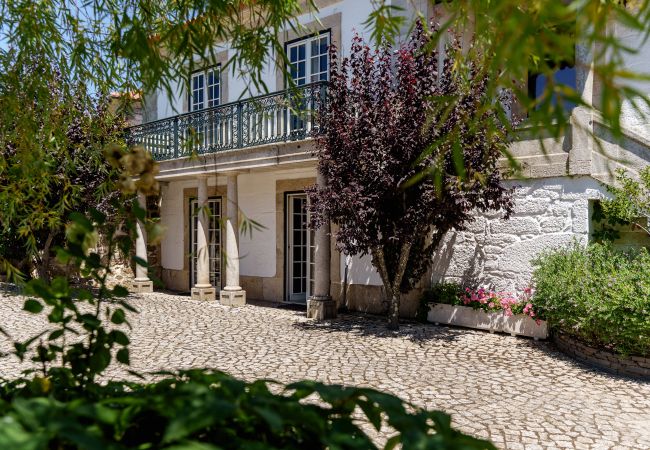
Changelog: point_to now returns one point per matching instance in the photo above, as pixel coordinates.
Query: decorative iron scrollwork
(277, 117)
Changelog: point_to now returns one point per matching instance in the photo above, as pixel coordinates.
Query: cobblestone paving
(519, 393)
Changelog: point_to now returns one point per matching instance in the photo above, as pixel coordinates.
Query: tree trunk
(392, 287)
(393, 310)
(43, 268)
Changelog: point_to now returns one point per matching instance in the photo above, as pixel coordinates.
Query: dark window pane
(565, 76)
(324, 45)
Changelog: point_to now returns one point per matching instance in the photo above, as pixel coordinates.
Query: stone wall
(634, 366)
(549, 213)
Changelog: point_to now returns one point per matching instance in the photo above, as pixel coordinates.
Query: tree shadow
(372, 325)
(298, 307)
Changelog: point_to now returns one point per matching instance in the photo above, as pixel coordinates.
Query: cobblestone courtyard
(514, 391)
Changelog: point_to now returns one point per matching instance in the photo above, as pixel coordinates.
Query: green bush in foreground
(210, 410)
(598, 295)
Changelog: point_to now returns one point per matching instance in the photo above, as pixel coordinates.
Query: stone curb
(634, 366)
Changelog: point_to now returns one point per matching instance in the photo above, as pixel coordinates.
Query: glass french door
(214, 242)
(300, 250)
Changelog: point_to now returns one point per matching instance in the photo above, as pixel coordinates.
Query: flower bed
(465, 316)
(486, 310)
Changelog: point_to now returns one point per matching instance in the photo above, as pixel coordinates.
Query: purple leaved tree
(403, 164)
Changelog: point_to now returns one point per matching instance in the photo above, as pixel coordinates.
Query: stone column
(232, 294)
(203, 290)
(141, 282)
(320, 305)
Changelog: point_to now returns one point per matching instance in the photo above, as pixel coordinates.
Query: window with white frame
(309, 59)
(205, 88)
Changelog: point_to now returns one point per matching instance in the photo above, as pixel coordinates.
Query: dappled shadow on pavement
(371, 325)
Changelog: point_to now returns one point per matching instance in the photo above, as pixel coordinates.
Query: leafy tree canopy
(51, 160)
(510, 39)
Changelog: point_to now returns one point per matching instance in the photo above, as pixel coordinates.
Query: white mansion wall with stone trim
(353, 15)
(549, 213)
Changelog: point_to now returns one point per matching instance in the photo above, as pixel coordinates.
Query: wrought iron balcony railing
(277, 117)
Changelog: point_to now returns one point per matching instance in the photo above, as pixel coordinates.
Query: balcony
(282, 116)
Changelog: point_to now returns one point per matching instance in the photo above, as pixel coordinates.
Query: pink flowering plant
(487, 300)
(492, 301)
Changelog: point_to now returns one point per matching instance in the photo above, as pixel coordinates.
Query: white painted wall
(549, 213)
(360, 270)
(172, 217)
(257, 203)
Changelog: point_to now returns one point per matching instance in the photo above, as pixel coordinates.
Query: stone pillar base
(204, 293)
(141, 286)
(232, 298)
(321, 308)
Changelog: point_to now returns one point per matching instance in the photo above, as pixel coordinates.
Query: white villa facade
(255, 161)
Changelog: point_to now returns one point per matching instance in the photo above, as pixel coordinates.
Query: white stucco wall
(549, 213)
(172, 216)
(360, 270)
(257, 203)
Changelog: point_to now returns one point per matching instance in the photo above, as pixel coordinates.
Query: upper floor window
(565, 75)
(309, 59)
(205, 88)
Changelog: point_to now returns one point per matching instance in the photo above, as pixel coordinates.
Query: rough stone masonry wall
(549, 213)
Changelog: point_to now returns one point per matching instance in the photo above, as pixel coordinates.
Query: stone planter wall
(633, 366)
(464, 316)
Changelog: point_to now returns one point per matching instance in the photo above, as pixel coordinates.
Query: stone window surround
(331, 23)
(204, 71)
(220, 62)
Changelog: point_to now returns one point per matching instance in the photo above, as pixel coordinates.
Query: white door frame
(299, 242)
(214, 244)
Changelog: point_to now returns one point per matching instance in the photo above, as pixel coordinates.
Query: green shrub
(598, 295)
(207, 410)
(445, 292)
